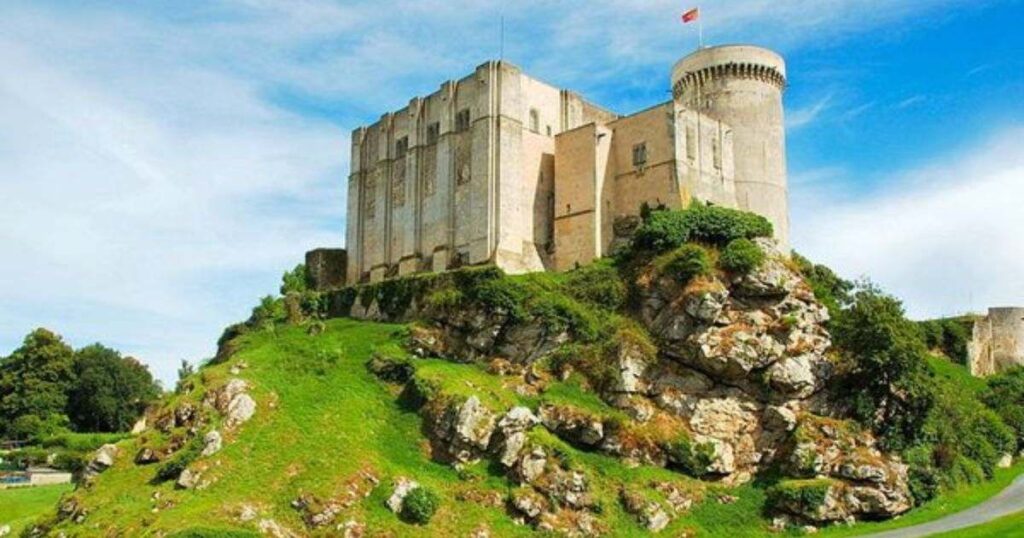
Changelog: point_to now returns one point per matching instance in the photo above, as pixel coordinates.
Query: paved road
(1008, 501)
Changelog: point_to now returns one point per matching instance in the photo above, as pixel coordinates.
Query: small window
(433, 132)
(462, 120)
(534, 120)
(549, 130)
(716, 152)
(401, 147)
(640, 154)
(691, 143)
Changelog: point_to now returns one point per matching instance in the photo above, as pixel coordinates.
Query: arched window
(534, 120)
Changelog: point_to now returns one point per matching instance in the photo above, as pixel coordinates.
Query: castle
(501, 168)
(997, 341)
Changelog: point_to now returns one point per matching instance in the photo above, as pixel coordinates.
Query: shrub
(268, 312)
(172, 468)
(948, 335)
(684, 263)
(831, 290)
(420, 505)
(598, 284)
(1005, 396)
(691, 457)
(665, 230)
(295, 281)
(741, 256)
(803, 496)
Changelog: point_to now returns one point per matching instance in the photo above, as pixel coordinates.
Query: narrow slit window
(640, 154)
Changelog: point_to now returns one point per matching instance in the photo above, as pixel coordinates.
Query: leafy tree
(295, 281)
(112, 391)
(34, 381)
(1005, 395)
(884, 367)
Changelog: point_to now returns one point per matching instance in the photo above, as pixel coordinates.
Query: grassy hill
(322, 418)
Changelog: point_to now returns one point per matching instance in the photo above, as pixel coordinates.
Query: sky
(163, 162)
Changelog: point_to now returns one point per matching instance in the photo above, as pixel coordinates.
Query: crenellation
(499, 167)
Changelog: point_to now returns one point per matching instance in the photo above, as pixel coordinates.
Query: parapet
(739, 61)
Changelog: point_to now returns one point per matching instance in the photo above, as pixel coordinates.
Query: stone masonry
(997, 342)
(501, 168)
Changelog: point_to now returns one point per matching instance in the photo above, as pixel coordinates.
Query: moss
(691, 457)
(802, 496)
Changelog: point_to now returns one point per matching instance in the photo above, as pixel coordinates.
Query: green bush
(172, 468)
(741, 256)
(684, 263)
(296, 281)
(948, 335)
(691, 457)
(831, 290)
(420, 505)
(268, 312)
(1005, 395)
(598, 284)
(804, 496)
(665, 230)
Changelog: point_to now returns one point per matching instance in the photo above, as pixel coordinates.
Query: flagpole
(700, 29)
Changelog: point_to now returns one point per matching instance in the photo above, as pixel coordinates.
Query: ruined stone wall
(997, 342)
(327, 268)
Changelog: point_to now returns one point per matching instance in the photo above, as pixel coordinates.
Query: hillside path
(1008, 501)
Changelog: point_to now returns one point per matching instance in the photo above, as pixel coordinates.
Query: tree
(34, 381)
(886, 374)
(112, 391)
(295, 281)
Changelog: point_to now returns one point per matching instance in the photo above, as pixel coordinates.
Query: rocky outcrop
(101, 460)
(461, 430)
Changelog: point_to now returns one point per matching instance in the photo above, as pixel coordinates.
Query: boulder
(403, 486)
(572, 424)
(211, 443)
(102, 460)
(510, 435)
(146, 455)
(240, 410)
(188, 479)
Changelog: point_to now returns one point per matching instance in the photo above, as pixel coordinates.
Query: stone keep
(501, 168)
(997, 341)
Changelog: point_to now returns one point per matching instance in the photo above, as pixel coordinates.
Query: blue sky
(161, 163)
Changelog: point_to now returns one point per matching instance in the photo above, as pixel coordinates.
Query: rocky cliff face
(734, 386)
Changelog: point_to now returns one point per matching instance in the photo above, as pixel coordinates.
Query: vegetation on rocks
(694, 385)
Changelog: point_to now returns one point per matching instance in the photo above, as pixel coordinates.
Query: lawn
(1004, 527)
(20, 506)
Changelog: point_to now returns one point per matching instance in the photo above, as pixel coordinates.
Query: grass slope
(20, 506)
(322, 417)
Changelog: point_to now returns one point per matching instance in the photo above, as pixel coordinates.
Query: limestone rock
(529, 503)
(146, 456)
(211, 443)
(240, 410)
(102, 460)
(403, 486)
(188, 479)
(511, 434)
(572, 424)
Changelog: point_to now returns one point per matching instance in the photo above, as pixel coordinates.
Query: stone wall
(327, 268)
(997, 342)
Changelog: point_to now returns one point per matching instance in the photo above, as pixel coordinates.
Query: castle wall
(581, 166)
(997, 342)
(654, 181)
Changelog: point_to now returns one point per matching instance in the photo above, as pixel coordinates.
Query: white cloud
(802, 117)
(158, 169)
(943, 237)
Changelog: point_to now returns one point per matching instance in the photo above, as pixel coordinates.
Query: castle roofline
(729, 54)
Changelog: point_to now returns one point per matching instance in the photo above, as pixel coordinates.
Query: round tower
(742, 86)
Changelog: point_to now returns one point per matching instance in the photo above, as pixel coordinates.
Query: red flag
(691, 15)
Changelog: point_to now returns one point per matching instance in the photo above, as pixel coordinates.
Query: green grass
(322, 417)
(957, 374)
(21, 506)
(1004, 527)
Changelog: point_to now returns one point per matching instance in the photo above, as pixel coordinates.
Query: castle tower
(997, 343)
(742, 86)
